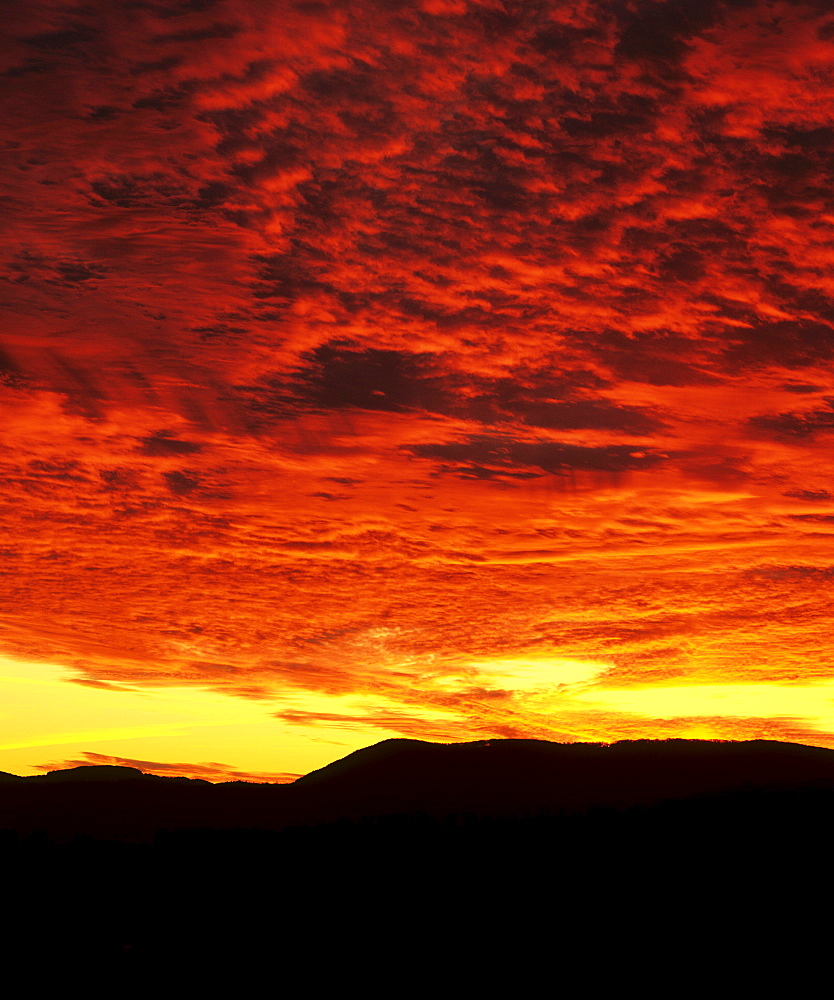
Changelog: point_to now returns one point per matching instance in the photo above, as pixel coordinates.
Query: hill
(489, 778)
(415, 868)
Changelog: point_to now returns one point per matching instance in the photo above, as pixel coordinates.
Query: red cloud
(538, 286)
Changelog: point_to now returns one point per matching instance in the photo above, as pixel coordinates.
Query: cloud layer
(346, 347)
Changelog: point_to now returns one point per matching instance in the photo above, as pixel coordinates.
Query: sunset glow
(448, 369)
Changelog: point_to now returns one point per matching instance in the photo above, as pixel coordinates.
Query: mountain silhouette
(96, 772)
(538, 773)
(402, 776)
(411, 868)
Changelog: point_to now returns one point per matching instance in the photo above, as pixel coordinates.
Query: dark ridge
(490, 778)
(673, 868)
(565, 774)
(95, 772)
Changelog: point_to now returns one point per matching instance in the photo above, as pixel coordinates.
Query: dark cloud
(336, 378)
(216, 30)
(812, 496)
(551, 456)
(726, 471)
(661, 360)
(793, 343)
(495, 475)
(798, 424)
(659, 34)
(75, 39)
(332, 496)
(69, 471)
(181, 483)
(11, 373)
(164, 444)
(800, 388)
(592, 413)
(131, 191)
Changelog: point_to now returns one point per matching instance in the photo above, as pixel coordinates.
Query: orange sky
(447, 369)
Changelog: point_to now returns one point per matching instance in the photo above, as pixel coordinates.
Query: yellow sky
(44, 717)
(47, 719)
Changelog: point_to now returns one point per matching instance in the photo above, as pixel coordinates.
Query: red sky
(447, 369)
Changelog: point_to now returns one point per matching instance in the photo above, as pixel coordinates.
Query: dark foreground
(712, 886)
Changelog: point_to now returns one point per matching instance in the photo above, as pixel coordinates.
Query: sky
(446, 369)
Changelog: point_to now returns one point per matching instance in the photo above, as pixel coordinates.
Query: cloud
(797, 424)
(542, 288)
(812, 496)
(416, 726)
(592, 414)
(550, 456)
(164, 444)
(368, 380)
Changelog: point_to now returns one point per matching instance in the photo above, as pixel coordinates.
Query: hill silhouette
(538, 773)
(503, 860)
(400, 776)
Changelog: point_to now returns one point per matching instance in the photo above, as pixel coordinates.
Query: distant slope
(486, 778)
(95, 772)
(540, 774)
(526, 866)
